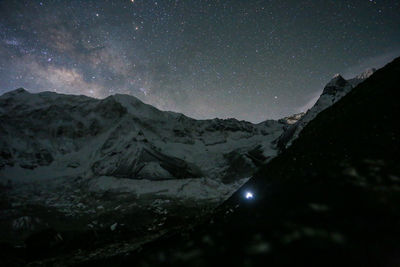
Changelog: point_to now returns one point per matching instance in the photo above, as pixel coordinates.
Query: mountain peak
(336, 82)
(366, 74)
(362, 77)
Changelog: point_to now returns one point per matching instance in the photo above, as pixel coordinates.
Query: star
(205, 59)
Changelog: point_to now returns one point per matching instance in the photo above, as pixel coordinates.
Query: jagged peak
(366, 74)
(337, 79)
(362, 76)
(336, 82)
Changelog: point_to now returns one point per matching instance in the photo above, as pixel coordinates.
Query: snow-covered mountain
(65, 153)
(120, 136)
(330, 199)
(333, 91)
(80, 164)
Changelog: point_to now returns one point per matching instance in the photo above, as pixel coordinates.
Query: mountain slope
(336, 88)
(114, 173)
(330, 199)
(122, 133)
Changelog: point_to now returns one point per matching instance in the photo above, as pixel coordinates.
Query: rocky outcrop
(144, 163)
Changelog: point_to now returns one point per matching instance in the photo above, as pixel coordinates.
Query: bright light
(249, 195)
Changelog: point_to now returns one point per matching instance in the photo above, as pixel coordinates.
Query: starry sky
(251, 60)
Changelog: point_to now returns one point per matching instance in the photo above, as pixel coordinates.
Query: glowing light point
(249, 195)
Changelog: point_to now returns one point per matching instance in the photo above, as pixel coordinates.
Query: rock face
(293, 118)
(144, 163)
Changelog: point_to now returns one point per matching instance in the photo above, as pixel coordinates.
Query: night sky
(251, 60)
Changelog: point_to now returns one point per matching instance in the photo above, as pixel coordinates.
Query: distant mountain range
(76, 164)
(120, 136)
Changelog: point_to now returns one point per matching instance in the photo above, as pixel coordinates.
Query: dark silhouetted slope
(332, 198)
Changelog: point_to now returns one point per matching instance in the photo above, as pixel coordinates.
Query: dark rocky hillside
(332, 198)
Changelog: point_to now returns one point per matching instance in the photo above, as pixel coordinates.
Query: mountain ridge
(104, 161)
(333, 91)
(329, 199)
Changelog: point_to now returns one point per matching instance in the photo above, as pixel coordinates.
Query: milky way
(249, 60)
